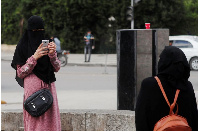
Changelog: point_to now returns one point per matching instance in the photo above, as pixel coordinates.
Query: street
(78, 87)
(68, 78)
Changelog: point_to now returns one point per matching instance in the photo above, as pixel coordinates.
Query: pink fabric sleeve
(54, 61)
(26, 69)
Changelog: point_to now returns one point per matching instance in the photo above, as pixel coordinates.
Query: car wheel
(194, 63)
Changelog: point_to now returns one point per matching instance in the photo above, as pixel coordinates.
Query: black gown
(151, 105)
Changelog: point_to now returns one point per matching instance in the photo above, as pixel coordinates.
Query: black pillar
(126, 59)
(154, 53)
(138, 52)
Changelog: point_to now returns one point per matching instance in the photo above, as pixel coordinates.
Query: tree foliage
(191, 23)
(180, 16)
(70, 19)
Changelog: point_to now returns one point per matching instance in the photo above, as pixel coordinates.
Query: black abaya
(173, 71)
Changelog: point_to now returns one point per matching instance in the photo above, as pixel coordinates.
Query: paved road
(78, 87)
(68, 78)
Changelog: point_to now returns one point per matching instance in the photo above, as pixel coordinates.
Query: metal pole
(105, 71)
(132, 21)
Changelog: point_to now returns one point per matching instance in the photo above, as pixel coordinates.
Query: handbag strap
(165, 96)
(46, 85)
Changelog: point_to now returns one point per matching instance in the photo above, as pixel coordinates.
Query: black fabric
(174, 66)
(27, 47)
(151, 105)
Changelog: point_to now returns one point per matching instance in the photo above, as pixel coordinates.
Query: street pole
(132, 21)
(105, 71)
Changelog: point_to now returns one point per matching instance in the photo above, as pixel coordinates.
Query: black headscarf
(174, 66)
(27, 47)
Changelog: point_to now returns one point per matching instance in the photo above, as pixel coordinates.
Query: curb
(5, 60)
(92, 65)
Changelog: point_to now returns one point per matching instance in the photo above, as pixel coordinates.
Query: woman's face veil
(35, 32)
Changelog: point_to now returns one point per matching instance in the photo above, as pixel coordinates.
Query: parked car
(189, 46)
(186, 36)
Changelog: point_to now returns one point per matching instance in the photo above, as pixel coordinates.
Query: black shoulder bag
(39, 102)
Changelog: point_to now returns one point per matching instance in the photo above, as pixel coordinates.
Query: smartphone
(45, 43)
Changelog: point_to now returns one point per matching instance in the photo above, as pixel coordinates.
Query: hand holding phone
(52, 47)
(41, 51)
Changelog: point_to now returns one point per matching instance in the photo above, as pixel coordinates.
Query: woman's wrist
(52, 54)
(35, 57)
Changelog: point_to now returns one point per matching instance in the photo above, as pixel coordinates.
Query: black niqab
(174, 66)
(27, 47)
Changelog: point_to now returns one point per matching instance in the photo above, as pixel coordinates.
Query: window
(182, 44)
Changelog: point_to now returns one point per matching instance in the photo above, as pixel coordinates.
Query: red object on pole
(147, 25)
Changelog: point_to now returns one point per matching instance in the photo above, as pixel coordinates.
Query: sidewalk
(7, 52)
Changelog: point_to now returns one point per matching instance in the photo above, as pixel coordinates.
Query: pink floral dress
(50, 120)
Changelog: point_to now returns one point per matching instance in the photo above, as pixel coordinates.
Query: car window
(182, 44)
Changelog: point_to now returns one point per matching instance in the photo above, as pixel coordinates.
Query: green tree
(70, 19)
(162, 14)
(10, 21)
(191, 23)
(67, 19)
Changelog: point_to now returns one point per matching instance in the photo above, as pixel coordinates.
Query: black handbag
(39, 102)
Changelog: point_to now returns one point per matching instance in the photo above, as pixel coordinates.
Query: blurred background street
(93, 85)
(78, 87)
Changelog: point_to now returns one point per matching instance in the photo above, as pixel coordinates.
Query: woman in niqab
(173, 72)
(35, 67)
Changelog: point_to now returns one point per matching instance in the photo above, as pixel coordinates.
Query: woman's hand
(52, 47)
(41, 51)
